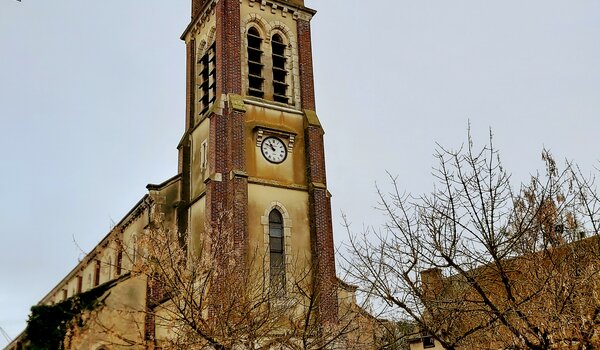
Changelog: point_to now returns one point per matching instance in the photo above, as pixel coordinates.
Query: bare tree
(478, 263)
(207, 296)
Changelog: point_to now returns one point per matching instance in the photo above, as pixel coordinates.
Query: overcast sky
(92, 108)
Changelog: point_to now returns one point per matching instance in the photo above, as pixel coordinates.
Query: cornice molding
(297, 12)
(199, 21)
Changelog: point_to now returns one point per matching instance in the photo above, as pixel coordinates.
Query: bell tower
(252, 152)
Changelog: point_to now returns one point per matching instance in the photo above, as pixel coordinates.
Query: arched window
(255, 64)
(276, 250)
(280, 85)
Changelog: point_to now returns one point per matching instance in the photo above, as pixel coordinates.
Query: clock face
(274, 150)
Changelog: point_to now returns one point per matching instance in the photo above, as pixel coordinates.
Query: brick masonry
(239, 182)
(190, 83)
(321, 228)
(319, 202)
(228, 34)
(227, 197)
(307, 89)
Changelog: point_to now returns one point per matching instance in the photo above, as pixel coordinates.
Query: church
(236, 250)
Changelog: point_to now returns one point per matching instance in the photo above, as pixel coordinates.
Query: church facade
(249, 200)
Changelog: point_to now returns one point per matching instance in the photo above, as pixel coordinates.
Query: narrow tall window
(134, 250)
(207, 78)
(97, 273)
(255, 64)
(280, 86)
(79, 284)
(109, 268)
(119, 259)
(276, 250)
(204, 155)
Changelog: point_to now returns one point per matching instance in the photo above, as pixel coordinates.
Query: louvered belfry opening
(276, 250)
(280, 86)
(255, 64)
(207, 78)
